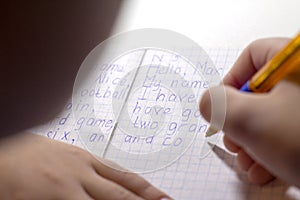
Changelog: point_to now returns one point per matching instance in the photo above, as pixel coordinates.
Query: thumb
(252, 124)
(242, 114)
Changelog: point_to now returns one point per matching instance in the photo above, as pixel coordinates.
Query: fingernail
(166, 198)
(218, 109)
(211, 131)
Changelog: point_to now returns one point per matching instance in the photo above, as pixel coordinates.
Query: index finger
(128, 180)
(252, 59)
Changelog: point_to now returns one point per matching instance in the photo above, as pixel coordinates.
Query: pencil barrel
(278, 67)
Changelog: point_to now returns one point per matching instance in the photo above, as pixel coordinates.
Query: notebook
(161, 134)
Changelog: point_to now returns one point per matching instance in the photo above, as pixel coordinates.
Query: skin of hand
(43, 44)
(33, 167)
(263, 129)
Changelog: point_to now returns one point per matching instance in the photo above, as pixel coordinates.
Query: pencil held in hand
(282, 64)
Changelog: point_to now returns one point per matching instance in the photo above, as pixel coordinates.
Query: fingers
(244, 160)
(101, 188)
(245, 125)
(264, 126)
(231, 146)
(253, 58)
(107, 180)
(128, 180)
(256, 173)
(243, 114)
(77, 193)
(249, 121)
(259, 175)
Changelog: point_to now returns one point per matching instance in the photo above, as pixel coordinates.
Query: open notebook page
(194, 175)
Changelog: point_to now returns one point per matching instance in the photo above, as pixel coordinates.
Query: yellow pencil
(273, 71)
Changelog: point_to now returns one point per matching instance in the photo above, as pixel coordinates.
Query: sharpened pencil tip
(211, 131)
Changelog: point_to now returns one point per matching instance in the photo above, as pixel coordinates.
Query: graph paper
(190, 176)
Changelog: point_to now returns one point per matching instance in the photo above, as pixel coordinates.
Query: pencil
(283, 63)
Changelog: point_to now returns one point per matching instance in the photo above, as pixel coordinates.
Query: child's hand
(34, 167)
(263, 129)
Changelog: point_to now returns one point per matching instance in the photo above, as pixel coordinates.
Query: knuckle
(51, 176)
(123, 194)
(143, 186)
(81, 153)
(135, 179)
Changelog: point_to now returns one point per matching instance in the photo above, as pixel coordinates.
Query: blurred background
(214, 23)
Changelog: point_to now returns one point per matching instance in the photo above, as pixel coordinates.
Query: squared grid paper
(215, 176)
